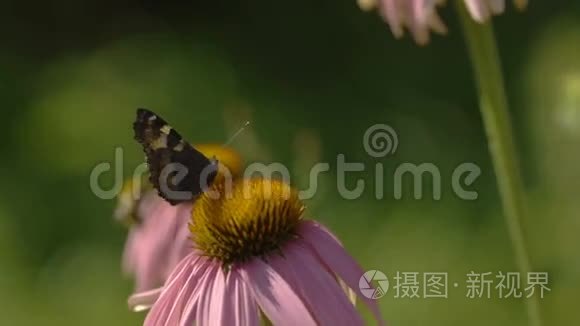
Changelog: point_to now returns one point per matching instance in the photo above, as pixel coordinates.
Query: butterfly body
(179, 172)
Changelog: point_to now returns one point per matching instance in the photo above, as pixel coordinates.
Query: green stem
(494, 109)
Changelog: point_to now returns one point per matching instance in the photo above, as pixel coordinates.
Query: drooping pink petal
(217, 294)
(190, 315)
(417, 24)
(142, 255)
(331, 253)
(429, 16)
(198, 266)
(179, 284)
(130, 252)
(240, 307)
(204, 308)
(158, 243)
(352, 295)
(181, 244)
(389, 9)
(436, 23)
(144, 300)
(478, 10)
(227, 301)
(419, 16)
(276, 298)
(230, 302)
(320, 291)
(159, 311)
(213, 300)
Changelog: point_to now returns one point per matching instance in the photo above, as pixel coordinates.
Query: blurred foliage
(311, 77)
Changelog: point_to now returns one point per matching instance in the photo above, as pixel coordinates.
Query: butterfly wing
(179, 172)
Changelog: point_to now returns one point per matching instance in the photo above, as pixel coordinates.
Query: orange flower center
(248, 218)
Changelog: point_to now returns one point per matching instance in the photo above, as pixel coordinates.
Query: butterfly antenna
(237, 133)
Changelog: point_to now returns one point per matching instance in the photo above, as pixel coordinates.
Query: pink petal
(204, 309)
(243, 310)
(149, 202)
(409, 10)
(478, 10)
(175, 290)
(180, 242)
(190, 314)
(323, 295)
(431, 18)
(155, 246)
(390, 12)
(159, 311)
(437, 24)
(129, 260)
(331, 253)
(187, 288)
(229, 302)
(144, 300)
(216, 300)
(274, 295)
(419, 10)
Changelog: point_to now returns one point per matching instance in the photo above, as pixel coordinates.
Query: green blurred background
(311, 77)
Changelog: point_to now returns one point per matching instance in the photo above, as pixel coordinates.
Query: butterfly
(178, 171)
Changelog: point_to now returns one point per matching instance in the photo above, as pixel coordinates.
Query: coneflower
(252, 255)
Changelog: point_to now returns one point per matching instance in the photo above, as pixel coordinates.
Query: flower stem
(494, 109)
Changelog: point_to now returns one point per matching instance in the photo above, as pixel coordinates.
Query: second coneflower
(158, 236)
(254, 255)
(421, 17)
